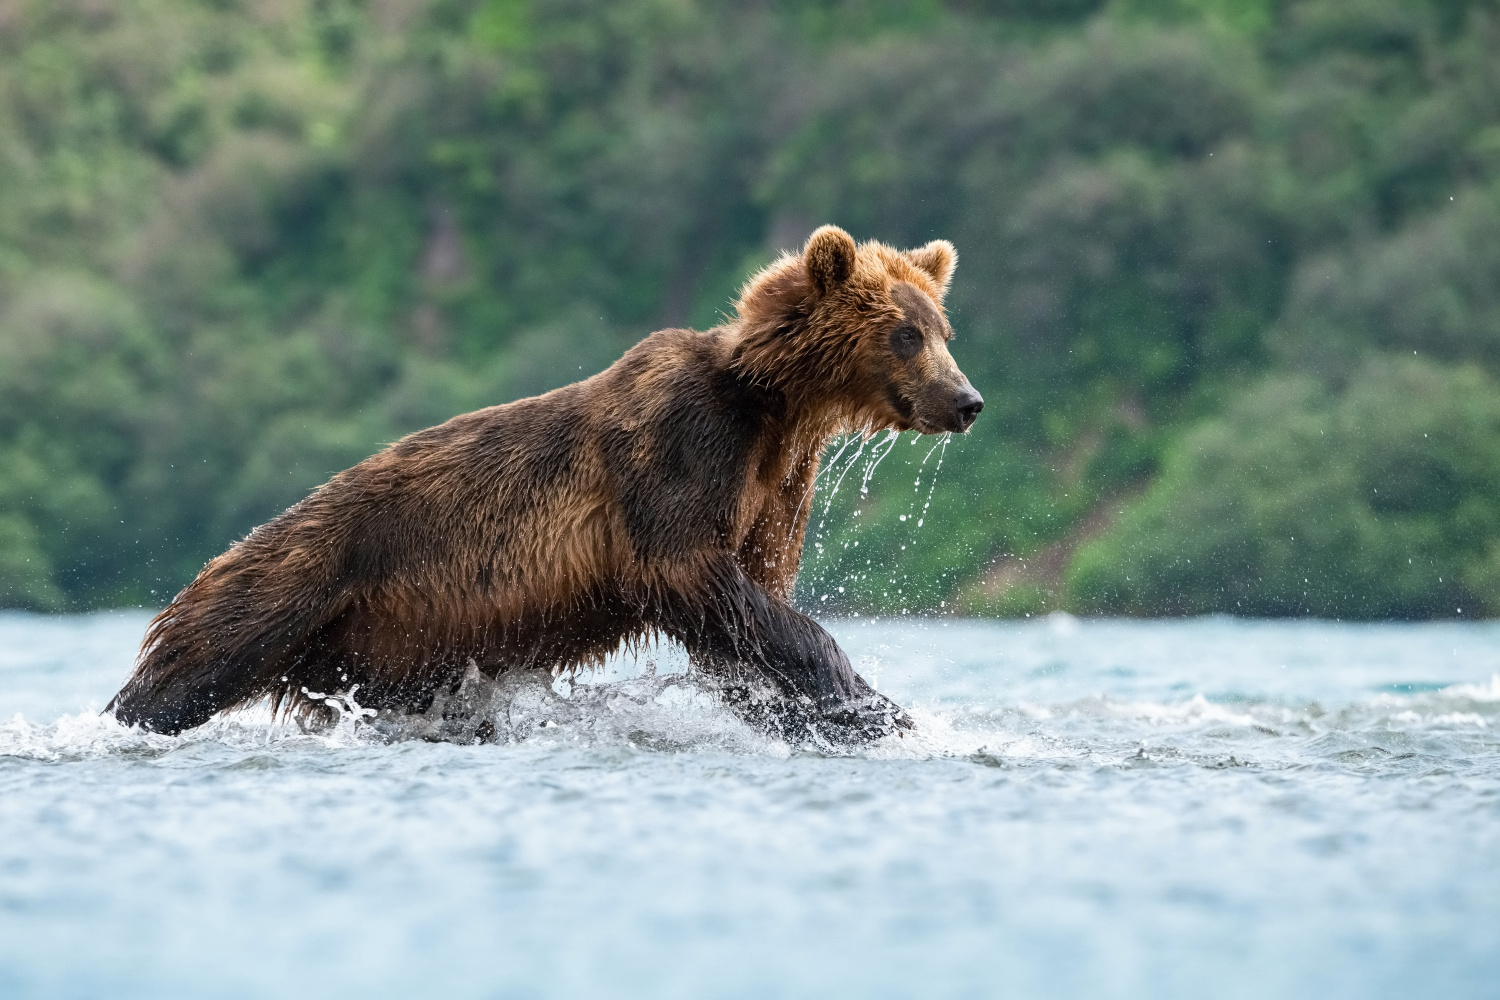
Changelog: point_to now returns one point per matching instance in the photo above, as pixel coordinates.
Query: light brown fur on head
(817, 326)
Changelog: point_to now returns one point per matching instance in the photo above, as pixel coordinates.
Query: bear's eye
(906, 342)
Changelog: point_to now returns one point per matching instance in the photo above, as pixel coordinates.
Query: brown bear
(665, 496)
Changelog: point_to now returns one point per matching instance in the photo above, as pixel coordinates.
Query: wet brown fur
(663, 496)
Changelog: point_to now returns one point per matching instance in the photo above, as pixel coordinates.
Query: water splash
(888, 443)
(680, 713)
(819, 568)
(853, 459)
(941, 447)
(826, 472)
(882, 448)
(351, 723)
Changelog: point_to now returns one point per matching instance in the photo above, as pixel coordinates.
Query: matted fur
(663, 496)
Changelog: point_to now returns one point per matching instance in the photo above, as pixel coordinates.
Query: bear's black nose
(967, 407)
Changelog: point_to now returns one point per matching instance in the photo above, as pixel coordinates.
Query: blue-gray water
(1205, 808)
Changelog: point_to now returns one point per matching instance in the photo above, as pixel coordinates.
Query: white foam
(1412, 718)
(679, 712)
(1196, 709)
(1476, 692)
(74, 737)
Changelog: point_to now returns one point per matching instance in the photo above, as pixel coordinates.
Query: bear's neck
(780, 491)
(777, 499)
(807, 369)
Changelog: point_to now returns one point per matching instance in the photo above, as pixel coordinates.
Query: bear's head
(859, 331)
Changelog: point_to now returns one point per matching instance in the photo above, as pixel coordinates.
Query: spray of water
(877, 455)
(836, 470)
(853, 459)
(350, 713)
(838, 481)
(823, 472)
(941, 447)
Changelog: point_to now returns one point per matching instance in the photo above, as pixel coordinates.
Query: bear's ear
(830, 258)
(938, 259)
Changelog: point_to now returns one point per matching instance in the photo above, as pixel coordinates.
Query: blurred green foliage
(245, 242)
(1381, 500)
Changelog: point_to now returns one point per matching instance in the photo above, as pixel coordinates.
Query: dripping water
(819, 560)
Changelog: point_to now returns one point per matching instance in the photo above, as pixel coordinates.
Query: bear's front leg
(749, 640)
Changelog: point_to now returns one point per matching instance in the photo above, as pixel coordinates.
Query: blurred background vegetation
(1230, 275)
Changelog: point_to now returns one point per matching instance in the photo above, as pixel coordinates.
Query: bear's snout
(966, 407)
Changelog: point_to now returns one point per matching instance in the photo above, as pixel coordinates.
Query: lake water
(1088, 809)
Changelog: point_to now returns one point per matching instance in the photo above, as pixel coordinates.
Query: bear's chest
(685, 466)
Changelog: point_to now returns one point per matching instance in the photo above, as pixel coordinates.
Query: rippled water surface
(1207, 808)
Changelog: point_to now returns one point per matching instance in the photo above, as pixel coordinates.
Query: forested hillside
(1229, 272)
